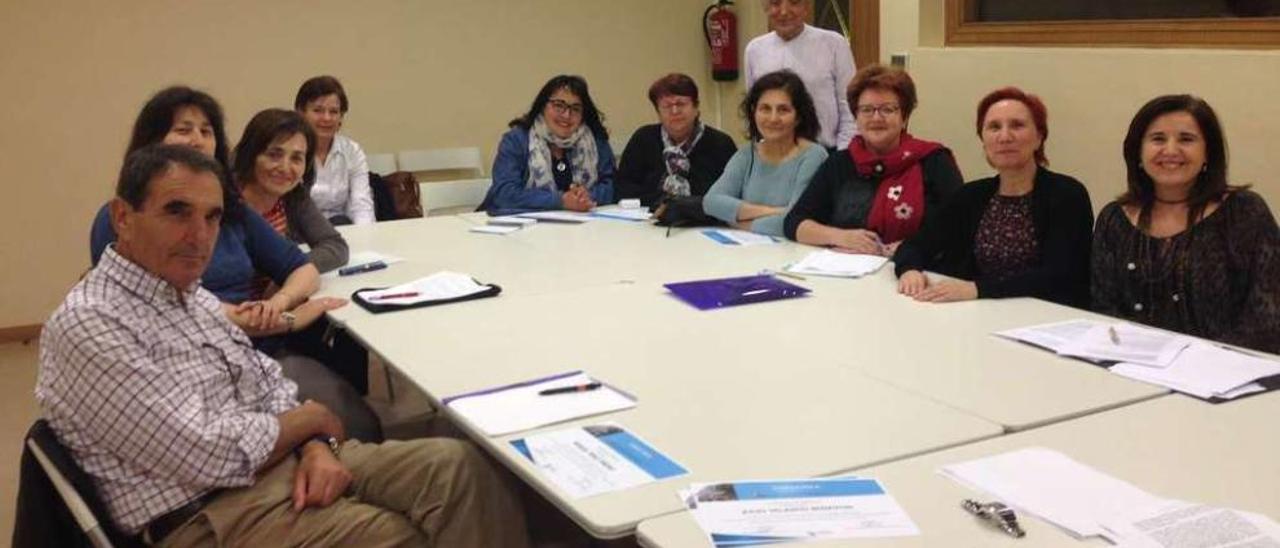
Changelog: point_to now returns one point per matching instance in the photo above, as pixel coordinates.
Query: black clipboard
(491, 290)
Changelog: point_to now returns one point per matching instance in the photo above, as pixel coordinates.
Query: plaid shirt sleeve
(148, 414)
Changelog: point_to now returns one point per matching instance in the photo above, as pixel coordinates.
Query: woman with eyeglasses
(679, 155)
(1023, 233)
(766, 176)
(556, 156)
(1182, 249)
(887, 184)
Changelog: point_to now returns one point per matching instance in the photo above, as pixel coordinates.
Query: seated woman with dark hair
(766, 176)
(886, 185)
(679, 156)
(341, 189)
(556, 156)
(248, 247)
(1182, 249)
(1023, 233)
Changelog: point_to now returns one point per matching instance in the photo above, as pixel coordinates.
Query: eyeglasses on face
(886, 110)
(675, 105)
(562, 108)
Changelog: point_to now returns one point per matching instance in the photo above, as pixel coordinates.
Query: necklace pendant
(560, 167)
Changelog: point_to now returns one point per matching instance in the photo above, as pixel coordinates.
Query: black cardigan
(642, 170)
(1063, 218)
(839, 197)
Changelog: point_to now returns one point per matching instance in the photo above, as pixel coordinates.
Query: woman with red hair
(1025, 232)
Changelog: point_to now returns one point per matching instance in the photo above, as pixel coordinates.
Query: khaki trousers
(426, 492)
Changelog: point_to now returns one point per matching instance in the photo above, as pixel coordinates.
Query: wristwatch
(289, 319)
(329, 441)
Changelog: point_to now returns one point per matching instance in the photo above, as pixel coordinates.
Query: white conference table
(851, 376)
(1173, 447)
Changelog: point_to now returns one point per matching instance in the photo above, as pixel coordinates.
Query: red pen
(394, 296)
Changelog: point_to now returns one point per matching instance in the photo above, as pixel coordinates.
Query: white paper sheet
(436, 287)
(760, 512)
(1051, 486)
(1206, 371)
(1052, 336)
(1178, 524)
(494, 229)
(504, 410)
(512, 220)
(601, 458)
(833, 263)
(1123, 342)
(622, 213)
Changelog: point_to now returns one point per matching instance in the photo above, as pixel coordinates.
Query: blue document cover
(722, 292)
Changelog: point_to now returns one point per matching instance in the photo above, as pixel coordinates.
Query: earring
(1204, 168)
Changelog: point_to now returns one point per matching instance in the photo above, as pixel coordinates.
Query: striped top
(279, 220)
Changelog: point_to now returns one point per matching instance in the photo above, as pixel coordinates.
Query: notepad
(517, 407)
(840, 265)
(572, 217)
(737, 237)
(441, 286)
(494, 229)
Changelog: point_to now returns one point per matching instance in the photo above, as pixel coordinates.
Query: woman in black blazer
(1024, 233)
(680, 156)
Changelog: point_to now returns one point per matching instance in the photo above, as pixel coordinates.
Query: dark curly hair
(591, 116)
(807, 125)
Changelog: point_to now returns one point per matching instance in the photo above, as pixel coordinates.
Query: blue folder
(723, 292)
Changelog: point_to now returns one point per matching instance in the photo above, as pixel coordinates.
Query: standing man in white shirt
(821, 57)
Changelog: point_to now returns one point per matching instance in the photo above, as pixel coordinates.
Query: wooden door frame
(864, 26)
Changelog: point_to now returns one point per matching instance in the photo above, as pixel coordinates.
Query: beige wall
(1092, 94)
(420, 73)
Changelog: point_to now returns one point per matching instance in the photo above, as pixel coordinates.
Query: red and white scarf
(897, 211)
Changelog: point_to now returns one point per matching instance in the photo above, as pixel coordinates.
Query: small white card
(590, 460)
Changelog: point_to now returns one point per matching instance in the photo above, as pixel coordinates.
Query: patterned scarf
(583, 159)
(897, 211)
(676, 156)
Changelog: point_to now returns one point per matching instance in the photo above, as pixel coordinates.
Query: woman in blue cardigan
(556, 156)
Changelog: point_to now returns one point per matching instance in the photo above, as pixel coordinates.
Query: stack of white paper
(1178, 524)
(512, 220)
(494, 229)
(622, 213)
(1051, 486)
(516, 407)
(743, 513)
(440, 286)
(1205, 371)
(834, 263)
(1170, 360)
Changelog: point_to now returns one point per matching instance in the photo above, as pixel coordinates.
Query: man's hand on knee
(320, 478)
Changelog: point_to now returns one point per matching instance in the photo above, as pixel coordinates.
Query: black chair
(57, 502)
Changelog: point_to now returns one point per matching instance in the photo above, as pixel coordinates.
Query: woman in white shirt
(341, 190)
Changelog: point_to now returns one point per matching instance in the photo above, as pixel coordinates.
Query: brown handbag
(405, 195)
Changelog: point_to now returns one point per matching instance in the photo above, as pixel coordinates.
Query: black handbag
(683, 211)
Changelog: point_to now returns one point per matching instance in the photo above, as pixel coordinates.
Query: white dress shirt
(822, 59)
(342, 183)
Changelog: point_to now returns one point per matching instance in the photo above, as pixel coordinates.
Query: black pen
(570, 389)
(361, 268)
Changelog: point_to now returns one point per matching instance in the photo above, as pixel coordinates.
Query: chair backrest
(441, 197)
(382, 164)
(74, 488)
(441, 159)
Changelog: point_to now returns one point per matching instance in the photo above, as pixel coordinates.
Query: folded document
(841, 265)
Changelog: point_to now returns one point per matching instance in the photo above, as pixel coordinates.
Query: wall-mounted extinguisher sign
(720, 26)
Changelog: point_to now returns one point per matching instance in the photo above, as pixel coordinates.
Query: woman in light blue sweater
(765, 178)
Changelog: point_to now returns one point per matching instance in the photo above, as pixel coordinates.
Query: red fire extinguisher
(720, 26)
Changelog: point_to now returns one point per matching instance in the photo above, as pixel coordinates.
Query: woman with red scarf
(880, 191)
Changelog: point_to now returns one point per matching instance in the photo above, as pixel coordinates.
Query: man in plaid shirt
(194, 438)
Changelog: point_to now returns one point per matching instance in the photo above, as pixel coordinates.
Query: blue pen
(361, 268)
